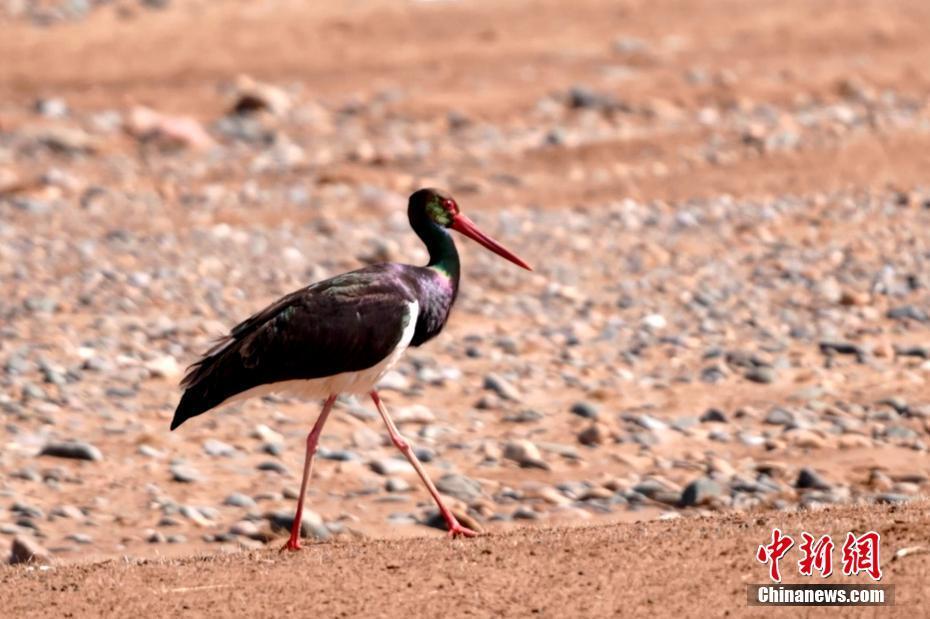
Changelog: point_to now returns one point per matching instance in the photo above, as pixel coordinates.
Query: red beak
(468, 228)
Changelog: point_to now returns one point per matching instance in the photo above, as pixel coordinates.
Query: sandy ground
(776, 157)
(692, 568)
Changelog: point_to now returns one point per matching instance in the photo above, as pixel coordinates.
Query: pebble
(213, 447)
(74, 450)
(237, 499)
(27, 550)
(761, 375)
(273, 466)
(459, 486)
(311, 524)
(805, 439)
(808, 478)
(185, 473)
(594, 435)
(502, 387)
(700, 492)
(399, 484)
(525, 453)
(585, 410)
(391, 466)
(713, 415)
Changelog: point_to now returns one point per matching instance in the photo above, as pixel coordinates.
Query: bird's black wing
(344, 324)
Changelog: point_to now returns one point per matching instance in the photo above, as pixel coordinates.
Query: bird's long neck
(443, 256)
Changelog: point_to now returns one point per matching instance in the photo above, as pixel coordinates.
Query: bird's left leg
(455, 529)
(293, 543)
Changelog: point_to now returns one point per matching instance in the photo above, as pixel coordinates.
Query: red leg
(312, 439)
(455, 529)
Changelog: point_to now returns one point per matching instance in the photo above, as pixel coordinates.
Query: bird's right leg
(455, 528)
(312, 440)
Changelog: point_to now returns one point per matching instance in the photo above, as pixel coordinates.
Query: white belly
(359, 382)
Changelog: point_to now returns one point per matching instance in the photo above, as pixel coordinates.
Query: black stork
(341, 335)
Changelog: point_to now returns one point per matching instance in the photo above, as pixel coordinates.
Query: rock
(436, 521)
(237, 499)
(166, 130)
(805, 439)
(908, 312)
(808, 478)
(525, 416)
(391, 466)
(779, 417)
(51, 108)
(68, 140)
(762, 375)
(246, 528)
(655, 322)
(852, 441)
(67, 511)
(585, 410)
(525, 512)
(27, 550)
(524, 453)
(252, 96)
(700, 492)
(273, 466)
(891, 498)
(594, 435)
(266, 434)
(416, 413)
(74, 450)
(213, 447)
(501, 387)
(398, 484)
(651, 423)
(459, 486)
(311, 524)
(163, 366)
(713, 415)
(80, 538)
(184, 473)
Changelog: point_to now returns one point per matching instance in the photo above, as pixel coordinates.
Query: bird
(341, 336)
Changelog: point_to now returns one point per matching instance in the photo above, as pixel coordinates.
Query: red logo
(773, 553)
(861, 554)
(817, 555)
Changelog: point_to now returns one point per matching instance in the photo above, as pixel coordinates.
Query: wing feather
(345, 324)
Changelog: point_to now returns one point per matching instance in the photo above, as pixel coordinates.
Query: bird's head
(441, 209)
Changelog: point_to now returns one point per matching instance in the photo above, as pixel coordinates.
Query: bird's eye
(450, 206)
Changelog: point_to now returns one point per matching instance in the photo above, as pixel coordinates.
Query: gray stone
(459, 486)
(585, 410)
(808, 478)
(762, 375)
(237, 499)
(390, 466)
(74, 450)
(311, 524)
(213, 447)
(699, 492)
(502, 387)
(780, 417)
(27, 550)
(398, 484)
(274, 466)
(185, 474)
(713, 415)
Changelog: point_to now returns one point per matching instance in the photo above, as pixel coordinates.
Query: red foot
(455, 530)
(292, 545)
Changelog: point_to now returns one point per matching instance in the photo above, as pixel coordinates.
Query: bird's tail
(208, 383)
